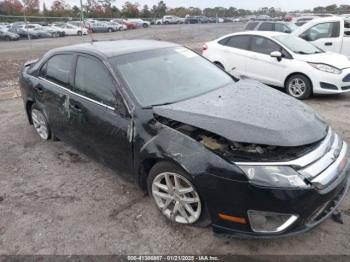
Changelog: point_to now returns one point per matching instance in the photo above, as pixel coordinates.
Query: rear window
(251, 25)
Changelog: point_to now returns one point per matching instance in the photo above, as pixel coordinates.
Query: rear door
(99, 128)
(52, 91)
(325, 35)
(261, 66)
(233, 53)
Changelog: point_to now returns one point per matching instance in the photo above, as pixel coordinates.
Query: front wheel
(110, 30)
(175, 195)
(299, 86)
(79, 33)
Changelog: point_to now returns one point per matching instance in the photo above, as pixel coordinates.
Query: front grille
(347, 78)
(327, 208)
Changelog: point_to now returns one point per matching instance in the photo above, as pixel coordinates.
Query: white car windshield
(297, 45)
(168, 75)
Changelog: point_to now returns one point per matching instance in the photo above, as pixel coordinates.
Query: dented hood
(250, 112)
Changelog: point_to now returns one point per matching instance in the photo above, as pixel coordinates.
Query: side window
(347, 28)
(324, 30)
(57, 69)
(241, 42)
(251, 25)
(266, 27)
(93, 80)
(263, 45)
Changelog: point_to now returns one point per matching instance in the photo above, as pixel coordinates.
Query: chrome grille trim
(303, 161)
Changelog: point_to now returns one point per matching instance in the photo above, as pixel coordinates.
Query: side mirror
(277, 55)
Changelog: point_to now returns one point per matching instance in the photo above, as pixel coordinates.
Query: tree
(31, 7)
(130, 10)
(145, 13)
(11, 7)
(331, 8)
(161, 9)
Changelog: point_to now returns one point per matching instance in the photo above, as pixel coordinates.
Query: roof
(115, 48)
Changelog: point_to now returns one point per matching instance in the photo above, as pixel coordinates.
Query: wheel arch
(29, 105)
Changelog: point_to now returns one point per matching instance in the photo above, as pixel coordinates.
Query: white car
(72, 29)
(281, 60)
(329, 33)
(140, 22)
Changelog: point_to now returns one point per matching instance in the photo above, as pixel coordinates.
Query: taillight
(204, 47)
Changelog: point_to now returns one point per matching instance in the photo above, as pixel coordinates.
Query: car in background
(24, 33)
(281, 60)
(140, 22)
(55, 29)
(71, 29)
(168, 20)
(192, 20)
(8, 36)
(127, 25)
(115, 26)
(101, 27)
(301, 20)
(207, 148)
(284, 27)
(329, 33)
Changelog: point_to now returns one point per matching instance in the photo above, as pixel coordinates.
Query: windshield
(168, 75)
(297, 45)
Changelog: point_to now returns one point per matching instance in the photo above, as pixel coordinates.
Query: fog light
(269, 222)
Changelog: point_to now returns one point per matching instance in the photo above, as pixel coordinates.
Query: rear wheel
(40, 123)
(145, 25)
(175, 195)
(79, 33)
(110, 30)
(299, 86)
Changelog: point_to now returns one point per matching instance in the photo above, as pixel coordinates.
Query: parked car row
(303, 62)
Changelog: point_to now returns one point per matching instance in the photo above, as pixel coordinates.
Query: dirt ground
(55, 200)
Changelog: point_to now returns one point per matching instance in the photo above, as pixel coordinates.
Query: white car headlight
(326, 68)
(274, 176)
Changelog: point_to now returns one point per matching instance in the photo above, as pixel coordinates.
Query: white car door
(264, 68)
(233, 51)
(70, 30)
(326, 36)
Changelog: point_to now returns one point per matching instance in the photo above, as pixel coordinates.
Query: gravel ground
(55, 200)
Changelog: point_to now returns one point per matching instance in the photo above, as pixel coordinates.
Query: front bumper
(312, 206)
(327, 83)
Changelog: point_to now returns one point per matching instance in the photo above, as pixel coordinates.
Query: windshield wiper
(160, 104)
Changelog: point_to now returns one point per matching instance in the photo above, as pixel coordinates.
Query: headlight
(326, 68)
(274, 176)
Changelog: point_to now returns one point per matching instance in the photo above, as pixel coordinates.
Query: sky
(285, 5)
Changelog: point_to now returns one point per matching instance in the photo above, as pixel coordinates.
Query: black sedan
(208, 148)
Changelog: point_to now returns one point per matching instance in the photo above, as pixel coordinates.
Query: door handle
(75, 107)
(328, 43)
(39, 88)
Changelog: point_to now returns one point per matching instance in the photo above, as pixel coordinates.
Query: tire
(79, 33)
(219, 65)
(166, 22)
(166, 202)
(110, 30)
(7, 38)
(145, 25)
(299, 86)
(40, 123)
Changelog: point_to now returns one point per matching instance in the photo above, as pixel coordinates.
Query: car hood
(249, 112)
(337, 60)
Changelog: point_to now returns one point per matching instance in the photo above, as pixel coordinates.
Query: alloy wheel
(176, 197)
(297, 87)
(40, 124)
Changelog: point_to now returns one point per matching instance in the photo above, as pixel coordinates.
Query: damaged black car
(208, 148)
